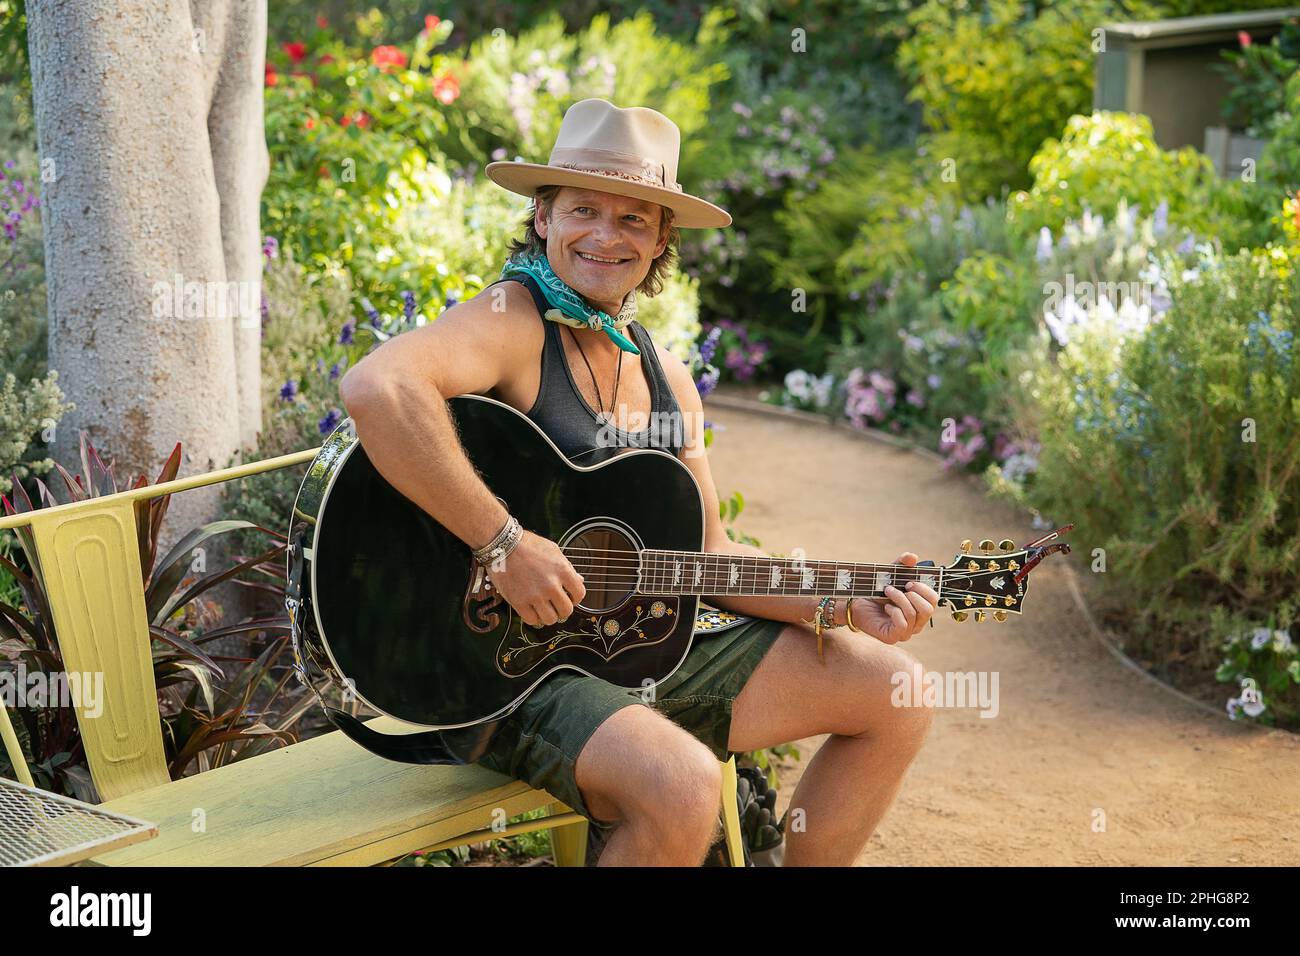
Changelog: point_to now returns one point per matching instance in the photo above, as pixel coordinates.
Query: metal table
(38, 828)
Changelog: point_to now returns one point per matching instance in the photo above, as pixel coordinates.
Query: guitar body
(391, 607)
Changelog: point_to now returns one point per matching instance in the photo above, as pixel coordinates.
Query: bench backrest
(90, 558)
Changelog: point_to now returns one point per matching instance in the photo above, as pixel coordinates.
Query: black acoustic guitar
(389, 606)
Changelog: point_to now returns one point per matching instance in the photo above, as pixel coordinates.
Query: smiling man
(550, 339)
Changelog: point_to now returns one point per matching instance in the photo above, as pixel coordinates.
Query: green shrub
(1103, 158)
(1177, 451)
(516, 88)
(996, 79)
(1281, 160)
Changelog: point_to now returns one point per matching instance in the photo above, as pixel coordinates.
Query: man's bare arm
(397, 398)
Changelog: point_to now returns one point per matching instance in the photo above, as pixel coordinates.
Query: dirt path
(1076, 733)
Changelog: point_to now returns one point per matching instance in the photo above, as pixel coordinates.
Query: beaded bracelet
(506, 540)
(823, 618)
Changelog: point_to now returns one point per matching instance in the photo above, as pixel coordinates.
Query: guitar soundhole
(606, 557)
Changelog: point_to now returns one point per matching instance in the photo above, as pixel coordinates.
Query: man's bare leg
(661, 783)
(854, 777)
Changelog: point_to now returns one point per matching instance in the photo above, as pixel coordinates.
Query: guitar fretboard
(690, 572)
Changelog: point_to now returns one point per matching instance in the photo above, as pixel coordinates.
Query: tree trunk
(150, 129)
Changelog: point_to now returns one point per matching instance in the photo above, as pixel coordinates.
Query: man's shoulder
(505, 308)
(676, 373)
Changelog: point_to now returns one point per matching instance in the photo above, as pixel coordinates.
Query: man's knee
(890, 686)
(641, 766)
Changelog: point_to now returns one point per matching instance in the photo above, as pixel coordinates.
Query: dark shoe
(761, 838)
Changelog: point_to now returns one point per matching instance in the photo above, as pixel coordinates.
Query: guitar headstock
(995, 580)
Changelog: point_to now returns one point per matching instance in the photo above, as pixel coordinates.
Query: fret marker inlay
(882, 580)
(776, 576)
(843, 579)
(808, 577)
(734, 577)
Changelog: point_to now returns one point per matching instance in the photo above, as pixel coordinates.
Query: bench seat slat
(325, 801)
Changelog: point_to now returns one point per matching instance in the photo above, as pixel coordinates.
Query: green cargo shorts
(540, 741)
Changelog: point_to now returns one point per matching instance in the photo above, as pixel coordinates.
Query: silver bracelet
(506, 540)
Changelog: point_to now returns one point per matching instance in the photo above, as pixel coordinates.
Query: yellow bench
(320, 802)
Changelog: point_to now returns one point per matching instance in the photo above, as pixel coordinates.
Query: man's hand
(537, 580)
(907, 613)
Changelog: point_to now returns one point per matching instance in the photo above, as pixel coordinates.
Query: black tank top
(569, 421)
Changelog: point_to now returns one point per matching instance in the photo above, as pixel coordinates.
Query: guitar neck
(704, 573)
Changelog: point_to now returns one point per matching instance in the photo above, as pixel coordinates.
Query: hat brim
(690, 212)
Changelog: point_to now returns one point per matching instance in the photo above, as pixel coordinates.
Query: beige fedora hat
(629, 152)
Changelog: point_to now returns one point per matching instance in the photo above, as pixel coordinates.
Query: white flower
(799, 384)
(1282, 641)
(1234, 707)
(1044, 250)
(821, 389)
(1259, 637)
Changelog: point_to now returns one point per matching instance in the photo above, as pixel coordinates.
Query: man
(603, 226)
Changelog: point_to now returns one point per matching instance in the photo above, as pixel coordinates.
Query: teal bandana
(570, 308)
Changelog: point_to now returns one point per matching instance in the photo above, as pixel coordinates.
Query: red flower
(297, 52)
(1243, 38)
(326, 58)
(324, 172)
(321, 21)
(446, 88)
(310, 123)
(346, 121)
(430, 21)
(363, 120)
(386, 57)
(1297, 209)
(271, 77)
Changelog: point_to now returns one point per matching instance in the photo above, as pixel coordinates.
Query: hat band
(608, 162)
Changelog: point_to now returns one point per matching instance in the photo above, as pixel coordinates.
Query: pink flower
(446, 88)
(1243, 38)
(430, 22)
(387, 57)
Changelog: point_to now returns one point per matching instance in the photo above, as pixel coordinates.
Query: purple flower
(915, 398)
(270, 247)
(709, 346)
(289, 391)
(408, 304)
(1161, 225)
(371, 312)
(337, 368)
(707, 382)
(345, 336)
(330, 421)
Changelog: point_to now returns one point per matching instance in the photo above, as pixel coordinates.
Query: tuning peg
(1000, 616)
(987, 545)
(965, 546)
(979, 617)
(1006, 544)
(960, 616)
